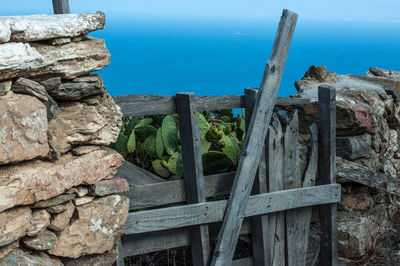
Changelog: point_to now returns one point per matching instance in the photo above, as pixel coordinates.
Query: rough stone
(14, 224)
(39, 222)
(20, 257)
(79, 88)
(60, 41)
(109, 186)
(57, 208)
(353, 147)
(53, 201)
(51, 83)
(83, 200)
(44, 27)
(61, 220)
(42, 60)
(37, 180)
(5, 87)
(78, 191)
(44, 241)
(4, 251)
(95, 231)
(80, 150)
(106, 259)
(95, 121)
(23, 128)
(357, 201)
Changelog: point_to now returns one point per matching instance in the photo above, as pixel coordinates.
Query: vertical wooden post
(61, 6)
(327, 171)
(193, 172)
(259, 224)
(120, 259)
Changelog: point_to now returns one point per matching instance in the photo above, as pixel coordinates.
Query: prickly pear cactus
(153, 142)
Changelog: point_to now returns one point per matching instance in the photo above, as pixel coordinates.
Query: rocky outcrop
(46, 27)
(56, 120)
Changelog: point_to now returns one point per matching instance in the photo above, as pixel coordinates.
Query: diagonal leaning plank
(254, 143)
(193, 172)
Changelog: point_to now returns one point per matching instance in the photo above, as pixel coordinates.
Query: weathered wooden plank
(351, 171)
(139, 104)
(276, 220)
(160, 240)
(327, 171)
(143, 196)
(254, 143)
(259, 224)
(136, 175)
(120, 259)
(193, 172)
(296, 254)
(61, 6)
(244, 262)
(213, 211)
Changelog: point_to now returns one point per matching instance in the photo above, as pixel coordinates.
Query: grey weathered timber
(254, 143)
(295, 253)
(193, 172)
(120, 259)
(244, 262)
(61, 6)
(213, 211)
(276, 220)
(139, 104)
(259, 224)
(351, 171)
(327, 171)
(136, 175)
(143, 196)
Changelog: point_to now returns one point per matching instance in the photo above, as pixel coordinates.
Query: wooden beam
(327, 171)
(136, 175)
(259, 224)
(254, 143)
(139, 104)
(61, 6)
(213, 211)
(275, 183)
(193, 172)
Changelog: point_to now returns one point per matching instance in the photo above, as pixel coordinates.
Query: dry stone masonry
(367, 143)
(59, 202)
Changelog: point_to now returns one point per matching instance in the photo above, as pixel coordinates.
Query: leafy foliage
(152, 142)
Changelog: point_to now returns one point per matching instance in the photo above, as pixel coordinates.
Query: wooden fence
(165, 228)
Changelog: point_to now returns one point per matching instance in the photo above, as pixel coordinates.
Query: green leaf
(149, 146)
(144, 122)
(204, 126)
(159, 144)
(225, 118)
(228, 149)
(179, 166)
(159, 169)
(169, 134)
(215, 162)
(205, 144)
(120, 144)
(172, 162)
(131, 145)
(130, 126)
(143, 132)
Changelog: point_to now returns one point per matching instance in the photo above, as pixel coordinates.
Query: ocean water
(152, 55)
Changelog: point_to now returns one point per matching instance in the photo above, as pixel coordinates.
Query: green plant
(152, 142)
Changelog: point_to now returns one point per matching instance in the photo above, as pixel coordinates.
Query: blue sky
(346, 10)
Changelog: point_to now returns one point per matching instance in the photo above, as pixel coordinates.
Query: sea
(210, 56)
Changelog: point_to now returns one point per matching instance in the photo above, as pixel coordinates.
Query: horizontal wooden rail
(143, 196)
(211, 212)
(140, 104)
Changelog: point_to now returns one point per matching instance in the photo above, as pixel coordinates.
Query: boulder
(353, 147)
(106, 259)
(39, 222)
(83, 200)
(54, 201)
(78, 88)
(96, 230)
(60, 41)
(58, 208)
(13, 224)
(109, 186)
(37, 180)
(5, 87)
(41, 60)
(44, 27)
(23, 128)
(44, 241)
(4, 251)
(20, 257)
(78, 191)
(95, 121)
(61, 220)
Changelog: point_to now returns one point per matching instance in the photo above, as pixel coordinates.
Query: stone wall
(58, 202)
(368, 137)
